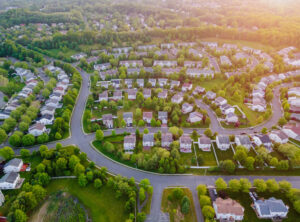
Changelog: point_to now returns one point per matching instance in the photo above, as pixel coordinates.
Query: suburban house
(104, 84)
(56, 95)
(195, 117)
(169, 71)
(132, 94)
(50, 110)
(146, 47)
(167, 45)
(243, 140)
(223, 142)
(163, 117)
(219, 101)
(116, 83)
(278, 136)
(192, 64)
(147, 117)
(147, 93)
(198, 90)
(177, 98)
(185, 143)
(152, 82)
(10, 181)
(37, 129)
(165, 63)
(128, 118)
(225, 61)
(122, 50)
(166, 140)
(129, 143)
(295, 91)
(186, 44)
(102, 67)
(175, 83)
(262, 140)
(53, 103)
(148, 140)
(163, 94)
(117, 95)
(295, 116)
(204, 143)
(140, 83)
(232, 118)
(131, 63)
(187, 108)
(270, 208)
(79, 56)
(210, 44)
(226, 109)
(128, 83)
(258, 106)
(200, 72)
(187, 87)
(111, 72)
(258, 93)
(107, 120)
(210, 95)
(228, 210)
(46, 119)
(14, 165)
(103, 96)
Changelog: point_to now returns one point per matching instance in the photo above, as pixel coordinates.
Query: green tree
(201, 189)
(28, 140)
(7, 153)
(142, 194)
(185, 205)
(204, 201)
(24, 153)
(220, 184)
(19, 216)
(73, 161)
(234, 185)
(284, 185)
(249, 163)
(97, 183)
(245, 185)
(90, 175)
(3, 136)
(82, 180)
(177, 194)
(228, 166)
(208, 212)
(260, 185)
(15, 140)
(99, 135)
(79, 169)
(272, 185)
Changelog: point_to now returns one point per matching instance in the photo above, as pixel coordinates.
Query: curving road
(158, 181)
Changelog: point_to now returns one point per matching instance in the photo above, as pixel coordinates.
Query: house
(46, 119)
(295, 116)
(219, 101)
(122, 50)
(133, 71)
(177, 98)
(192, 64)
(166, 140)
(131, 63)
(198, 90)
(262, 140)
(140, 83)
(105, 84)
(226, 109)
(37, 129)
(128, 118)
(103, 96)
(196, 53)
(295, 91)
(186, 108)
(163, 94)
(193, 72)
(152, 82)
(107, 120)
(186, 87)
(79, 56)
(10, 181)
(294, 109)
(163, 117)
(116, 83)
(128, 83)
(129, 143)
(185, 143)
(50, 110)
(231, 118)
(210, 95)
(117, 95)
(210, 44)
(53, 103)
(165, 63)
(111, 73)
(146, 47)
(294, 101)
(243, 140)
(131, 94)
(147, 93)
(102, 67)
(148, 140)
(278, 137)
(162, 82)
(175, 83)
(223, 142)
(147, 117)
(186, 44)
(229, 46)
(258, 93)
(14, 165)
(270, 208)
(258, 106)
(225, 61)
(195, 117)
(167, 45)
(204, 143)
(228, 210)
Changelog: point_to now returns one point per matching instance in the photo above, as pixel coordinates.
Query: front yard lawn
(208, 156)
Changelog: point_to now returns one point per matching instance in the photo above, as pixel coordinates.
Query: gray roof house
(243, 140)
(270, 208)
(148, 140)
(166, 140)
(223, 142)
(128, 118)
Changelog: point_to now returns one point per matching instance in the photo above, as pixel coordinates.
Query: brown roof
(229, 206)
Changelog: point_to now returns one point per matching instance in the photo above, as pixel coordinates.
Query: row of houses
(11, 178)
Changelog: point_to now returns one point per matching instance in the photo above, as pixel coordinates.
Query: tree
(220, 184)
(201, 189)
(234, 185)
(208, 212)
(177, 193)
(82, 156)
(19, 216)
(3, 136)
(284, 185)
(99, 135)
(141, 217)
(24, 153)
(228, 166)
(146, 131)
(245, 185)
(40, 168)
(208, 133)
(249, 163)
(28, 140)
(61, 163)
(240, 155)
(15, 140)
(264, 130)
(272, 185)
(282, 121)
(79, 169)
(204, 201)
(43, 138)
(97, 183)
(7, 153)
(90, 175)
(185, 205)
(73, 161)
(142, 194)
(260, 185)
(82, 181)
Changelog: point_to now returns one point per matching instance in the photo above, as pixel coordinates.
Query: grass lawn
(168, 206)
(66, 53)
(208, 157)
(224, 155)
(186, 158)
(146, 209)
(101, 204)
(210, 84)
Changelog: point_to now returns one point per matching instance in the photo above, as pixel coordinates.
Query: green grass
(224, 155)
(167, 206)
(208, 157)
(210, 84)
(114, 139)
(186, 158)
(101, 204)
(146, 209)
(66, 53)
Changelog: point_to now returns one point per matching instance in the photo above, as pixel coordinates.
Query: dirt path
(40, 214)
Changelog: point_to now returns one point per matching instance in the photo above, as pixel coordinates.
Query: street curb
(82, 128)
(129, 167)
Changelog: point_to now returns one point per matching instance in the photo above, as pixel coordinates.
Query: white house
(37, 129)
(219, 101)
(187, 87)
(129, 143)
(278, 137)
(14, 165)
(10, 181)
(195, 117)
(107, 120)
(210, 95)
(223, 142)
(166, 140)
(177, 98)
(128, 118)
(148, 140)
(185, 143)
(231, 118)
(271, 208)
(46, 119)
(228, 210)
(262, 140)
(204, 143)
(187, 108)
(292, 132)
(243, 140)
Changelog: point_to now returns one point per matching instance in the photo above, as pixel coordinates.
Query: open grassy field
(101, 204)
(66, 53)
(170, 207)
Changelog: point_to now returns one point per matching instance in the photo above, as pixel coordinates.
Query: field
(66, 53)
(101, 204)
(170, 207)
